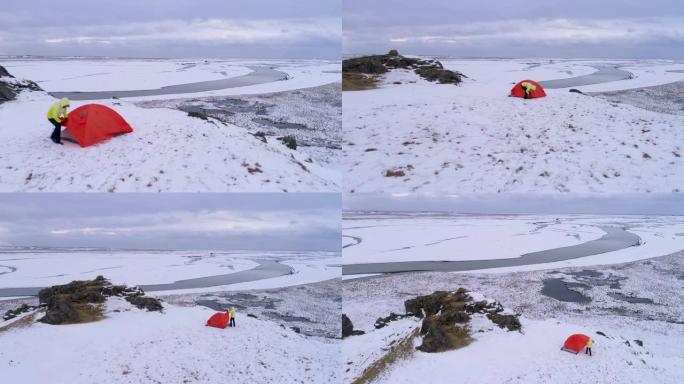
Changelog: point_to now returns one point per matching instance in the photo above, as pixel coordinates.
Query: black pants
(588, 351)
(232, 322)
(57, 132)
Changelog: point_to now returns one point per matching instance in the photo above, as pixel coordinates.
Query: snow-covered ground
(291, 335)
(392, 237)
(168, 150)
(473, 138)
(134, 346)
(635, 342)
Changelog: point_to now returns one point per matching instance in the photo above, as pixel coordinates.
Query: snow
(532, 355)
(121, 267)
(423, 237)
(168, 151)
(134, 346)
(473, 138)
(120, 75)
(458, 238)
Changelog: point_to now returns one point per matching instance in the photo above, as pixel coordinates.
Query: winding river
(615, 239)
(260, 75)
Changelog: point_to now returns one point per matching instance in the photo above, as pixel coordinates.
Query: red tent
(219, 320)
(575, 343)
(92, 123)
(519, 91)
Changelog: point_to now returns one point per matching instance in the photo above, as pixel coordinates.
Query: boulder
(509, 322)
(393, 52)
(348, 327)
(431, 70)
(143, 302)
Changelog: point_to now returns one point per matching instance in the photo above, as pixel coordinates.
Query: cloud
(542, 31)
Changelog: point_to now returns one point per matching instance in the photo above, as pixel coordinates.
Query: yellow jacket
(58, 110)
(590, 343)
(233, 312)
(528, 87)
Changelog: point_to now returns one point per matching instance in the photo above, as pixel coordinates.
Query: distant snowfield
(168, 151)
(406, 237)
(135, 346)
(473, 138)
(46, 268)
(120, 75)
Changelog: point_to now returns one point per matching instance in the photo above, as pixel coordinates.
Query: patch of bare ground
(352, 81)
(400, 350)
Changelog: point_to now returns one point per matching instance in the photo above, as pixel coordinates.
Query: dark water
(265, 270)
(560, 290)
(614, 240)
(259, 76)
(603, 75)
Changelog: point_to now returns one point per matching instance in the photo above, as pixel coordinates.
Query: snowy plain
(636, 341)
(473, 138)
(168, 150)
(390, 237)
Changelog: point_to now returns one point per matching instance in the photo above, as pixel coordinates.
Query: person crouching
(57, 114)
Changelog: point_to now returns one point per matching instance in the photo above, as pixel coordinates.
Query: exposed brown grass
(353, 81)
(26, 321)
(399, 351)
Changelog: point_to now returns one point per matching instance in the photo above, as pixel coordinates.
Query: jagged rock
(252, 315)
(142, 302)
(382, 322)
(12, 313)
(11, 87)
(431, 70)
(510, 322)
(441, 335)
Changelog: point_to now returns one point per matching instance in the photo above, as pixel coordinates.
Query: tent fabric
(519, 91)
(219, 320)
(93, 123)
(575, 343)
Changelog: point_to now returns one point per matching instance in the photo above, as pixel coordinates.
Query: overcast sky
(517, 28)
(607, 204)
(172, 28)
(172, 221)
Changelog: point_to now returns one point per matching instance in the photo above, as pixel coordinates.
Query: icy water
(265, 270)
(259, 76)
(615, 239)
(560, 290)
(603, 75)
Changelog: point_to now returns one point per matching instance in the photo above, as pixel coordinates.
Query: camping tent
(575, 343)
(519, 91)
(92, 123)
(219, 320)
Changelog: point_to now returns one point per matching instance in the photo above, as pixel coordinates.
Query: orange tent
(92, 123)
(219, 320)
(575, 343)
(519, 91)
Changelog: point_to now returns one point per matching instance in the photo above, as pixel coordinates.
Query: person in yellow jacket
(590, 343)
(57, 114)
(233, 313)
(528, 87)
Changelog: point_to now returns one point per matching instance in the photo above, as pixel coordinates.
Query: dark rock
(440, 335)
(12, 313)
(11, 87)
(510, 322)
(382, 322)
(290, 142)
(347, 326)
(639, 342)
(601, 333)
(143, 302)
(296, 329)
(252, 315)
(573, 90)
(431, 70)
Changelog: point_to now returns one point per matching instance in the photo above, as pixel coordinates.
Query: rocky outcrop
(79, 301)
(431, 70)
(348, 327)
(12, 313)
(10, 87)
